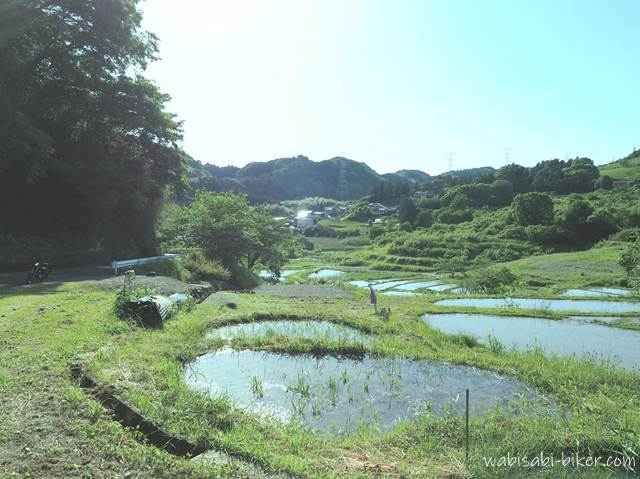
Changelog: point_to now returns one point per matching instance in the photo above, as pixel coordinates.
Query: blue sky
(398, 83)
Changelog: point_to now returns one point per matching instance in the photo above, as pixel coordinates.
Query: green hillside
(288, 178)
(627, 168)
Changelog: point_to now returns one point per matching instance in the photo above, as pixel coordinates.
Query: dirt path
(302, 290)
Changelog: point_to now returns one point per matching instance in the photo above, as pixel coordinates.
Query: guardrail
(125, 263)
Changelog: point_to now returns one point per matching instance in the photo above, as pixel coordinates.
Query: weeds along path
(49, 428)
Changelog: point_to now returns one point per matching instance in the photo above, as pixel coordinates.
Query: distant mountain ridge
(298, 177)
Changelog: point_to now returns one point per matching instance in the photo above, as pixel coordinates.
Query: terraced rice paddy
(313, 330)
(340, 396)
(559, 305)
(562, 337)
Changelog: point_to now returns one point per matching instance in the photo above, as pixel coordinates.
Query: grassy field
(50, 428)
(594, 267)
(622, 169)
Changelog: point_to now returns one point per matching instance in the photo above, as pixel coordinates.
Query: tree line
(87, 148)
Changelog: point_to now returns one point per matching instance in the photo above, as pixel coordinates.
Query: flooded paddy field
(557, 305)
(342, 396)
(326, 274)
(407, 287)
(563, 337)
(284, 274)
(314, 330)
(597, 292)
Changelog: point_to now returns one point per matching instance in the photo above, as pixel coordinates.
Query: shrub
(172, 268)
(320, 231)
(501, 254)
(603, 183)
(424, 219)
(376, 231)
(347, 233)
(515, 233)
(204, 269)
(452, 216)
(627, 235)
(356, 242)
(544, 235)
(532, 209)
(490, 280)
(430, 204)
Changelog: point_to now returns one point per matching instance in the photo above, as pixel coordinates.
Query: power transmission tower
(506, 155)
(450, 154)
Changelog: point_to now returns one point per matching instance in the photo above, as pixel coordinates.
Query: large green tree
(228, 229)
(408, 211)
(517, 175)
(532, 209)
(86, 146)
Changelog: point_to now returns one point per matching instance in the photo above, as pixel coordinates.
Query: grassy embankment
(625, 169)
(53, 429)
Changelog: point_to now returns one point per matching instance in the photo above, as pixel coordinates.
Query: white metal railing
(132, 262)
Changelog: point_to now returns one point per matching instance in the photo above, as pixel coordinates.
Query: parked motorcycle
(40, 272)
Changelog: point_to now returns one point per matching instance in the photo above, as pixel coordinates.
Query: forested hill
(288, 178)
(299, 177)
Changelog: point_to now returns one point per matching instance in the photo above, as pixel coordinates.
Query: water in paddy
(613, 291)
(442, 287)
(325, 274)
(418, 285)
(582, 293)
(284, 274)
(561, 337)
(562, 305)
(315, 330)
(596, 292)
(605, 319)
(400, 293)
(379, 285)
(388, 285)
(337, 396)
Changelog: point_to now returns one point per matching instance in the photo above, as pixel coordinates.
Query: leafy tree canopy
(517, 175)
(86, 146)
(408, 211)
(532, 209)
(228, 229)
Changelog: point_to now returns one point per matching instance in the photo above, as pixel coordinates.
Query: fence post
(466, 441)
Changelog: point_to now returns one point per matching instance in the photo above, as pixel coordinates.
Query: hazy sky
(400, 84)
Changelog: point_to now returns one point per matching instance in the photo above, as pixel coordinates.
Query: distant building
(329, 212)
(304, 219)
(379, 209)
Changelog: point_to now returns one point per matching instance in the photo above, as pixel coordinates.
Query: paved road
(83, 273)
